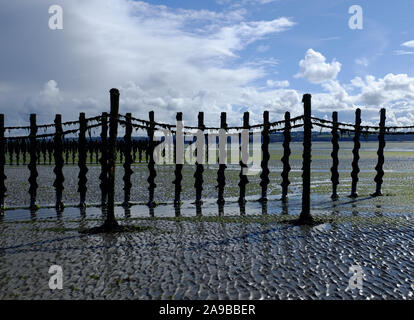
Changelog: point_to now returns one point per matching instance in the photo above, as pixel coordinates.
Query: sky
(212, 55)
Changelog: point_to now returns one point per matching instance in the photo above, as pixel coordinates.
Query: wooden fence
(63, 147)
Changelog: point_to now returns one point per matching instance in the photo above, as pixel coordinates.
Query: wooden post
(3, 177)
(244, 159)
(151, 163)
(179, 159)
(90, 149)
(305, 216)
(128, 160)
(104, 158)
(73, 149)
(334, 154)
(221, 178)
(264, 176)
(285, 159)
(111, 222)
(24, 148)
(10, 146)
(33, 162)
(355, 151)
(83, 169)
(18, 152)
(380, 153)
(198, 175)
(58, 155)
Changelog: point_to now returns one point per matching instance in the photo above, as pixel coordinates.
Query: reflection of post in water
(33, 214)
(221, 209)
(242, 206)
(264, 208)
(378, 211)
(335, 210)
(354, 210)
(82, 211)
(199, 211)
(285, 209)
(127, 211)
(151, 211)
(83, 222)
(59, 221)
(177, 209)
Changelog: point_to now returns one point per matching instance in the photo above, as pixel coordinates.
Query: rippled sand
(252, 257)
(225, 253)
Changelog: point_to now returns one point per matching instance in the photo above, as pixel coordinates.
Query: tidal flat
(230, 252)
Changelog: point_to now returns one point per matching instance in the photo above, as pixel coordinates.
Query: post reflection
(242, 206)
(177, 210)
(199, 211)
(220, 209)
(285, 209)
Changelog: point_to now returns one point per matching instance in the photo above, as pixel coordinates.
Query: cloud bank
(169, 60)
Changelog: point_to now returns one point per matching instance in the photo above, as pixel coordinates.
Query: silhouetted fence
(78, 146)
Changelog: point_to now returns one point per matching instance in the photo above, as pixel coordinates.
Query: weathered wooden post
(128, 160)
(151, 163)
(179, 158)
(305, 216)
(24, 149)
(33, 162)
(73, 149)
(110, 222)
(285, 159)
(58, 170)
(380, 153)
(264, 176)
(355, 152)
(18, 148)
(3, 177)
(198, 175)
(10, 148)
(104, 158)
(334, 154)
(221, 178)
(83, 169)
(244, 158)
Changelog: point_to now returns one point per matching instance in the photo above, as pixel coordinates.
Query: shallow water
(247, 253)
(203, 259)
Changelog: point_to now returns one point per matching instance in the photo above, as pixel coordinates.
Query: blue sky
(211, 56)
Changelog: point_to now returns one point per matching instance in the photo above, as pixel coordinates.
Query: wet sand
(250, 257)
(224, 253)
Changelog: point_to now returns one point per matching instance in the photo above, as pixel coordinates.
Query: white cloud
(314, 68)
(402, 52)
(168, 60)
(277, 84)
(409, 44)
(160, 58)
(50, 95)
(362, 61)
